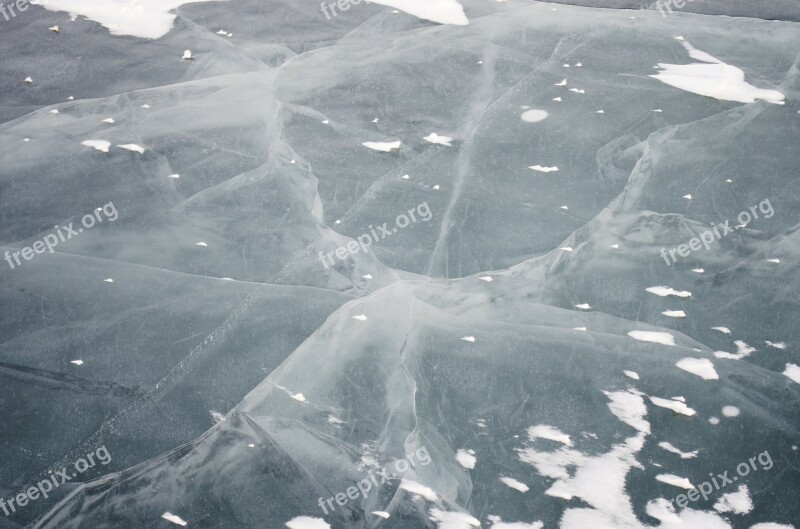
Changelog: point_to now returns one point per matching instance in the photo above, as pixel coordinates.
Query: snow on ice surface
(461, 334)
(793, 372)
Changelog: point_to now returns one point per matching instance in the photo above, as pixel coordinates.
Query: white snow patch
(632, 374)
(776, 345)
(534, 116)
(675, 481)
(465, 459)
(629, 408)
(674, 313)
(419, 489)
(583, 306)
(100, 145)
(383, 146)
(383, 514)
(674, 405)
(543, 169)
(544, 431)
(651, 336)
(307, 522)
(514, 484)
(360, 317)
(738, 502)
(669, 291)
(702, 367)
(453, 520)
(470, 339)
(793, 372)
(742, 350)
(440, 11)
(669, 447)
(132, 147)
(147, 19)
(723, 330)
(517, 525)
(714, 78)
(730, 411)
(438, 140)
(174, 519)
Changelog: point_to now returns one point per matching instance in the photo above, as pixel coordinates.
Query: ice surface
(527, 358)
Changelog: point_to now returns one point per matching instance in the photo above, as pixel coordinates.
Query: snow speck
(28, 80)
(543, 169)
(702, 367)
(674, 313)
(132, 147)
(774, 261)
(187, 55)
(778, 345)
(174, 519)
(383, 514)
(562, 83)
(738, 502)
(470, 339)
(488, 279)
(668, 291)
(675, 481)
(108, 120)
(669, 447)
(174, 176)
(698, 271)
(566, 249)
(723, 330)
(383, 146)
(360, 317)
(632, 374)
(544, 431)
(730, 411)
(534, 116)
(465, 459)
(674, 405)
(713, 420)
(77, 362)
(514, 484)
(54, 111)
(307, 522)
(583, 306)
(438, 140)
(109, 280)
(100, 145)
(664, 338)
